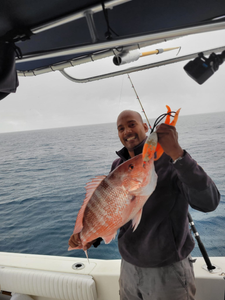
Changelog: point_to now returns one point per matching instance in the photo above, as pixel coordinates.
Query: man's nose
(128, 130)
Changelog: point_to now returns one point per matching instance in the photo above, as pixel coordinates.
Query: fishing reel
(201, 68)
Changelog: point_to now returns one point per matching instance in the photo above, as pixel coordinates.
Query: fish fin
(136, 220)
(75, 248)
(107, 239)
(92, 185)
(149, 188)
(90, 188)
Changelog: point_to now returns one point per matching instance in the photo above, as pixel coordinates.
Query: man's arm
(197, 186)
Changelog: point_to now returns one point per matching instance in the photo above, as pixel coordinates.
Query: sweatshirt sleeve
(198, 187)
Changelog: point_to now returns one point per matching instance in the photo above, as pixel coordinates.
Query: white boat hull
(54, 277)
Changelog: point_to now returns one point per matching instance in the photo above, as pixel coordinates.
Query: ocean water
(43, 174)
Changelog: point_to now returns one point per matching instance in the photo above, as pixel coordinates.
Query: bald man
(156, 261)
(155, 257)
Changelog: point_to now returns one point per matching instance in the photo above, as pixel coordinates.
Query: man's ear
(145, 127)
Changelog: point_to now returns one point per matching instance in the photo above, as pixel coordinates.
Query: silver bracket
(91, 25)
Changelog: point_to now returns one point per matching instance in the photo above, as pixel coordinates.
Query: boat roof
(55, 31)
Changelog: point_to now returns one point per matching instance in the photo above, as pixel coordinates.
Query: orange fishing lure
(147, 149)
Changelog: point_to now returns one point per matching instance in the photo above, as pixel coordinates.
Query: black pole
(200, 244)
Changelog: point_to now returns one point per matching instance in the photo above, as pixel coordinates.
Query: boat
(40, 37)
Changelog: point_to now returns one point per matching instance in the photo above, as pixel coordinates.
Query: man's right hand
(75, 240)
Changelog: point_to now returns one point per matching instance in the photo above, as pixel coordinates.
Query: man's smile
(130, 138)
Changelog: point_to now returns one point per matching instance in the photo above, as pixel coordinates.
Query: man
(155, 257)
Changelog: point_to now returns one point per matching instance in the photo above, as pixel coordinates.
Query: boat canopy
(55, 34)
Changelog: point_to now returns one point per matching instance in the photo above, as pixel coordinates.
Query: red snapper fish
(111, 201)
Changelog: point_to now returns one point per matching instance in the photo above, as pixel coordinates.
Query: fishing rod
(158, 51)
(159, 119)
(210, 267)
(126, 56)
(140, 102)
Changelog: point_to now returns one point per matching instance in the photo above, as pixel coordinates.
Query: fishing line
(139, 102)
(121, 90)
(159, 119)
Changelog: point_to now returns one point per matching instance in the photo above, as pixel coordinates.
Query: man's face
(131, 129)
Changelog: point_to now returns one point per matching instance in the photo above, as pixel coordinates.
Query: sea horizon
(83, 125)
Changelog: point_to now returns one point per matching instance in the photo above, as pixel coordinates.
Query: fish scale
(101, 215)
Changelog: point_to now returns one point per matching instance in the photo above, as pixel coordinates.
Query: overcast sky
(50, 100)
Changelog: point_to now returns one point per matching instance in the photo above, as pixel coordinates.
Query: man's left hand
(168, 139)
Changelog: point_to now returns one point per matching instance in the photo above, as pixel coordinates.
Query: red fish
(111, 201)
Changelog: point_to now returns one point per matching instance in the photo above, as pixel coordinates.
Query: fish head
(133, 174)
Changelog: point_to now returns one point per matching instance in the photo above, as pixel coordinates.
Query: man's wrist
(178, 157)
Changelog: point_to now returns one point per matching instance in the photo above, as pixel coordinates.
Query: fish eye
(130, 167)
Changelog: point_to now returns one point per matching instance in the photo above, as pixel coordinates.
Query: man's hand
(168, 139)
(75, 241)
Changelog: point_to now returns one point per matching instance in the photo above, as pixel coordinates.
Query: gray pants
(173, 282)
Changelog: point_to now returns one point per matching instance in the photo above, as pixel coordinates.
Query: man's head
(131, 129)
